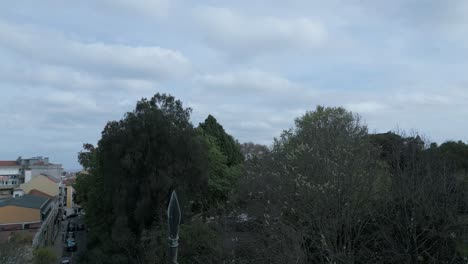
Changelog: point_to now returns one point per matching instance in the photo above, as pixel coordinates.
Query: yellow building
(69, 191)
(26, 209)
(42, 183)
(33, 214)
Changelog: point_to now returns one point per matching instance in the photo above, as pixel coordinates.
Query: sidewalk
(60, 239)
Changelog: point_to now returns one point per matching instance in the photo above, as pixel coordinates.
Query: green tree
(225, 161)
(137, 162)
(312, 195)
(44, 256)
(228, 146)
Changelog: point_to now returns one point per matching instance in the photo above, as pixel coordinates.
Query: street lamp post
(174, 215)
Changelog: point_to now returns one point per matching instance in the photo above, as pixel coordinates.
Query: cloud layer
(69, 67)
(251, 35)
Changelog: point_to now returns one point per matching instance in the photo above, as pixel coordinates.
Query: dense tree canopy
(225, 161)
(327, 191)
(228, 146)
(137, 162)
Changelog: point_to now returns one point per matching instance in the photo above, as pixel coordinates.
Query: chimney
(18, 193)
(27, 175)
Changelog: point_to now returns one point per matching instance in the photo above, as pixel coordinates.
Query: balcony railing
(8, 186)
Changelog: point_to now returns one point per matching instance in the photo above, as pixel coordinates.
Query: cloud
(68, 68)
(250, 81)
(243, 35)
(41, 75)
(150, 62)
(365, 107)
(150, 8)
(426, 98)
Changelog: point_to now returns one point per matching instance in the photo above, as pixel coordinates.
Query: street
(80, 237)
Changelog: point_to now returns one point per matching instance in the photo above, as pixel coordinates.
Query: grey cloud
(242, 35)
(69, 79)
(365, 107)
(252, 80)
(150, 8)
(387, 60)
(149, 62)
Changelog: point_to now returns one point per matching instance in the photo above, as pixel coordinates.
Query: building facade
(35, 214)
(45, 184)
(69, 205)
(15, 172)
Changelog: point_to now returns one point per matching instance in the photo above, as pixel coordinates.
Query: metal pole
(174, 215)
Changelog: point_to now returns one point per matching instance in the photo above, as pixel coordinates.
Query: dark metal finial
(174, 216)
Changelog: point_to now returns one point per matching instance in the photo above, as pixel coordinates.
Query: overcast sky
(68, 67)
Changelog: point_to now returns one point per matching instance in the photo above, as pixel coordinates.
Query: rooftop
(27, 200)
(36, 192)
(51, 178)
(8, 163)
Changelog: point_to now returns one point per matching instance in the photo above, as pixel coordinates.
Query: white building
(41, 166)
(10, 177)
(15, 172)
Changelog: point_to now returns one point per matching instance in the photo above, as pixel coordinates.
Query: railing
(9, 186)
(41, 237)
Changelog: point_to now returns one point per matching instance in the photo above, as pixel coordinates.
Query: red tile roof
(39, 193)
(8, 163)
(69, 181)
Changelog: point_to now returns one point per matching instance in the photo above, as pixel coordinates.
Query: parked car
(81, 227)
(70, 235)
(71, 227)
(72, 215)
(71, 244)
(66, 260)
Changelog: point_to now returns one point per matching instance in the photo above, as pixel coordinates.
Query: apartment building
(15, 172)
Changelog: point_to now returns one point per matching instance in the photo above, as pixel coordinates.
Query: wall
(70, 205)
(43, 184)
(70, 192)
(54, 170)
(9, 176)
(9, 171)
(14, 214)
(50, 227)
(27, 175)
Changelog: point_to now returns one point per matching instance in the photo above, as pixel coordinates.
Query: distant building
(44, 184)
(27, 209)
(35, 214)
(10, 176)
(15, 172)
(69, 205)
(41, 166)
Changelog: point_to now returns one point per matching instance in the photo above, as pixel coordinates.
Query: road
(80, 237)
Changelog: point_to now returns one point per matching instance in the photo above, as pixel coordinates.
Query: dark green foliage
(228, 146)
(327, 192)
(225, 162)
(44, 256)
(330, 193)
(136, 164)
(457, 152)
(200, 244)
